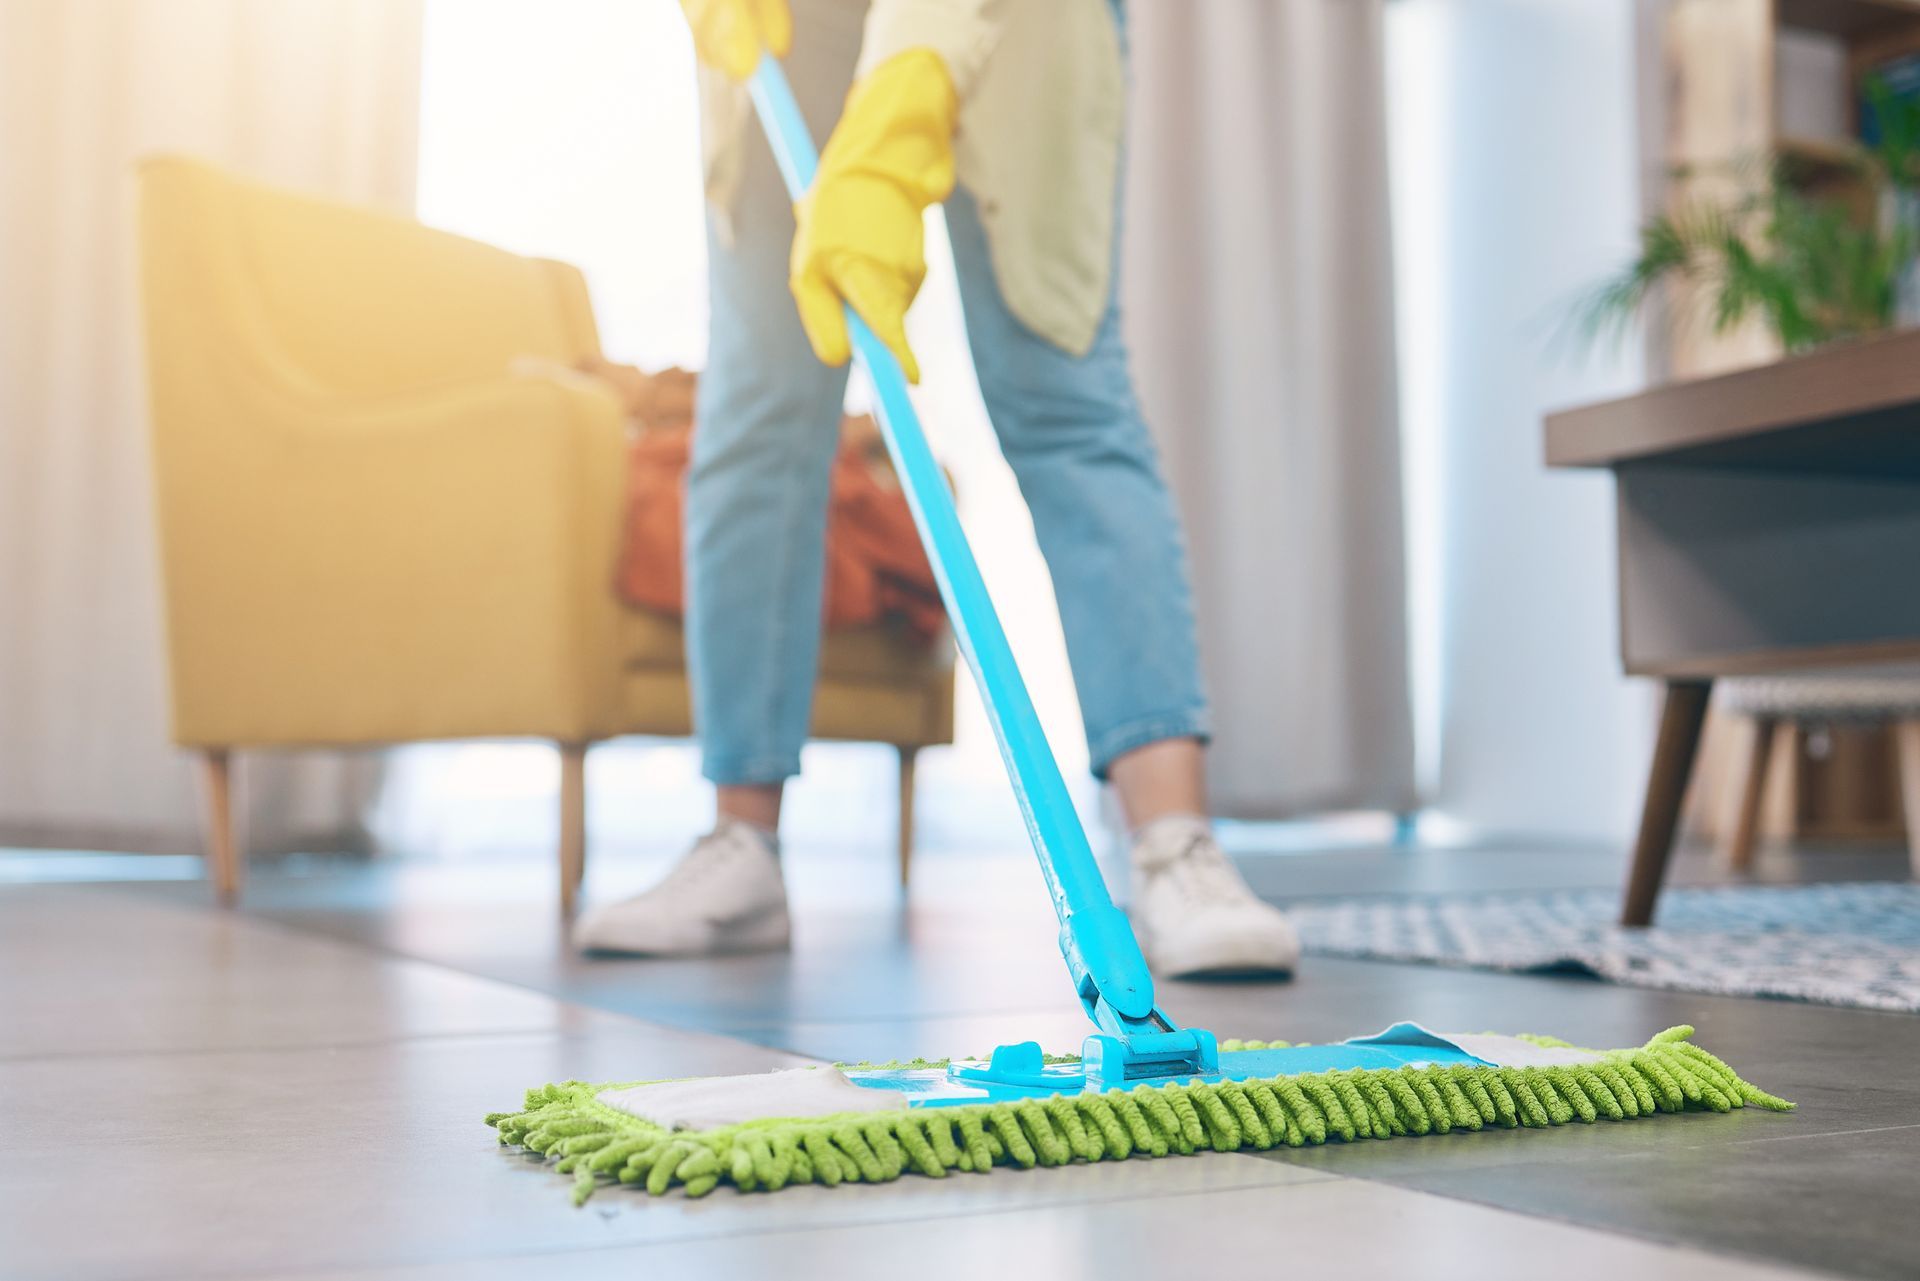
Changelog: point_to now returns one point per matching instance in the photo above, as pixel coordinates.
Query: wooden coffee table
(1769, 520)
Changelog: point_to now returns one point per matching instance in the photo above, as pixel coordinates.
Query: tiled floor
(295, 1090)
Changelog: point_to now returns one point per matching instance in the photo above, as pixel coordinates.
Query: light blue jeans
(769, 416)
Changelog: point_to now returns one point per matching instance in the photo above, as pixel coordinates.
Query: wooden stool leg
(225, 860)
(1906, 740)
(1750, 791)
(1681, 716)
(573, 823)
(907, 755)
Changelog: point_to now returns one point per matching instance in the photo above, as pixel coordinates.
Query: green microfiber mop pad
(597, 1143)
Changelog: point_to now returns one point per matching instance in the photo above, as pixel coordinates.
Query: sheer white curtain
(319, 94)
(1258, 294)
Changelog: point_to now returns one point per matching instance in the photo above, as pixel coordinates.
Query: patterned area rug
(1855, 944)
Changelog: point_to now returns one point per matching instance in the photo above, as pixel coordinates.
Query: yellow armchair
(373, 532)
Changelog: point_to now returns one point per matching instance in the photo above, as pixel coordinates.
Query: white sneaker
(726, 895)
(1194, 914)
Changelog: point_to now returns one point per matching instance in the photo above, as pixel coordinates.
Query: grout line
(1032, 1205)
(367, 1043)
(1445, 1184)
(1397, 1175)
(1778, 1266)
(1789, 1138)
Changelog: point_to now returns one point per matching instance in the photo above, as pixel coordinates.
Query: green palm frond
(1805, 264)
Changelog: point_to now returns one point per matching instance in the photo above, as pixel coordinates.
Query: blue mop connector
(1135, 1041)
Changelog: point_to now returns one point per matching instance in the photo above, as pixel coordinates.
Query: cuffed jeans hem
(748, 771)
(1121, 739)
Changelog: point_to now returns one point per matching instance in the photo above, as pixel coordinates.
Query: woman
(1023, 103)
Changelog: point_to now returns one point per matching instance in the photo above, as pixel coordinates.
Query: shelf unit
(1725, 92)
(1722, 91)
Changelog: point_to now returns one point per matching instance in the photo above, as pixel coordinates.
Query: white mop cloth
(709, 1102)
(706, 1103)
(1501, 1051)
(1511, 1051)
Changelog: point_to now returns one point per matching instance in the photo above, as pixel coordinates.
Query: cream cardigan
(1042, 103)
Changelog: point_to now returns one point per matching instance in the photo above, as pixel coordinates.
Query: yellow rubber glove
(859, 237)
(729, 34)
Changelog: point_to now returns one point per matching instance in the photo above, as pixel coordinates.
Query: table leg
(1681, 716)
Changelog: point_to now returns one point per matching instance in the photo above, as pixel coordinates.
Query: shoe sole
(771, 932)
(1220, 959)
(1273, 973)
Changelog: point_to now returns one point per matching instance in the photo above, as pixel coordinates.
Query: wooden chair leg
(1681, 716)
(907, 755)
(573, 823)
(226, 862)
(1750, 789)
(1906, 740)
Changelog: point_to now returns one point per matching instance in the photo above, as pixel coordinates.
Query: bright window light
(569, 129)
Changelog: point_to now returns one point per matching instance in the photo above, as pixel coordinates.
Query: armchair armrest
(435, 563)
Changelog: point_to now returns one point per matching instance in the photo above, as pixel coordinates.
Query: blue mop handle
(1098, 943)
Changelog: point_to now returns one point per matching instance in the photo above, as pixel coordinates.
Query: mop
(1142, 1084)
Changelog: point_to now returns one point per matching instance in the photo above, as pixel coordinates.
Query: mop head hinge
(1127, 1051)
(1120, 1061)
(1106, 1062)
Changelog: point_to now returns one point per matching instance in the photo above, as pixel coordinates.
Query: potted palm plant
(1805, 261)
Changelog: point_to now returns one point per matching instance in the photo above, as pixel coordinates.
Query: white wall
(1516, 177)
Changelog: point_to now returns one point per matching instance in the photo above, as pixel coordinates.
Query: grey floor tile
(969, 961)
(236, 1164)
(96, 970)
(1842, 1203)
(1532, 866)
(1423, 1159)
(1060, 1030)
(939, 953)
(1352, 1231)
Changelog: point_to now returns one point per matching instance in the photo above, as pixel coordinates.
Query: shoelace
(714, 851)
(1201, 873)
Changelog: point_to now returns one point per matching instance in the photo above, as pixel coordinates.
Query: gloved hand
(729, 34)
(859, 237)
